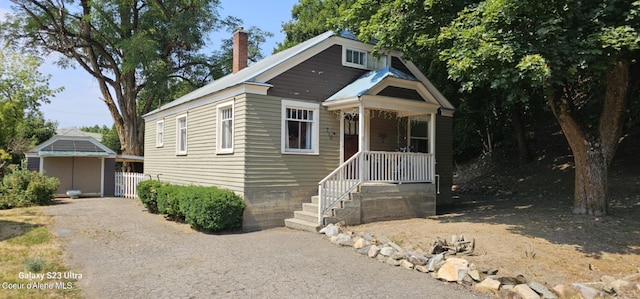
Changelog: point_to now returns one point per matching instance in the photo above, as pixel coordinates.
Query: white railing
(338, 184)
(398, 167)
(390, 167)
(127, 183)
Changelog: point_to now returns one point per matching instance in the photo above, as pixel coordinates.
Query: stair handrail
(327, 199)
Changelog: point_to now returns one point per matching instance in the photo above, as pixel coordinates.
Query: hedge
(22, 188)
(148, 194)
(204, 208)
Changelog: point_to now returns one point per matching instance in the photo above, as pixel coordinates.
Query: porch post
(341, 136)
(361, 131)
(432, 134)
(361, 140)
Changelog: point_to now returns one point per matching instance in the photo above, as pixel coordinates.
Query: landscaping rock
(395, 246)
(588, 292)
(513, 280)
(342, 239)
(487, 286)
(474, 274)
(526, 292)
(364, 250)
(542, 290)
(398, 256)
(387, 251)
(360, 243)
(454, 269)
(330, 230)
(416, 258)
(421, 268)
(381, 258)
(434, 262)
(373, 251)
(406, 264)
(393, 262)
(565, 291)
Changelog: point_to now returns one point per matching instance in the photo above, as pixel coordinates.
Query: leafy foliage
(132, 48)
(148, 194)
(204, 208)
(310, 18)
(22, 188)
(22, 90)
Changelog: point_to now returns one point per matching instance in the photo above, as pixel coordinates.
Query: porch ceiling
(403, 107)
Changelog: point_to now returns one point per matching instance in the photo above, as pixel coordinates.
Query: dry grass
(27, 246)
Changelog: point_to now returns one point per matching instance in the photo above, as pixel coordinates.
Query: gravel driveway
(125, 252)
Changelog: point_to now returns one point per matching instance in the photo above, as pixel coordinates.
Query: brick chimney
(240, 49)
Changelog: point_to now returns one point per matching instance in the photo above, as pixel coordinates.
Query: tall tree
(583, 55)
(129, 47)
(23, 89)
(310, 18)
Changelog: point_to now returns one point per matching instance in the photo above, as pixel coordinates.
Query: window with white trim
(300, 127)
(362, 59)
(225, 129)
(418, 135)
(160, 133)
(181, 139)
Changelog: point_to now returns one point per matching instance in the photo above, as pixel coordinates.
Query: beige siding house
(312, 128)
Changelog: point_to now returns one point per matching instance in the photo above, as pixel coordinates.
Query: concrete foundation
(383, 202)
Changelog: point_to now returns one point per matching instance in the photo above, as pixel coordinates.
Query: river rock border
(483, 280)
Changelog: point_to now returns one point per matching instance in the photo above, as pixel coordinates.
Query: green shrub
(148, 194)
(169, 201)
(213, 209)
(23, 188)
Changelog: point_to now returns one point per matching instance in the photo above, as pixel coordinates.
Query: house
(364, 138)
(83, 165)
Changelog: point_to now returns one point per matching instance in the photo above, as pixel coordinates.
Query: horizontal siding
(201, 165)
(266, 166)
(444, 158)
(317, 78)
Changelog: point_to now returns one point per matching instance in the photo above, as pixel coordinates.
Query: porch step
(310, 207)
(299, 224)
(306, 216)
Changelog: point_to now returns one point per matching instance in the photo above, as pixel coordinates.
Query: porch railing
(368, 166)
(127, 183)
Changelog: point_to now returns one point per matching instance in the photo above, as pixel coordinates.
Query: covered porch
(387, 135)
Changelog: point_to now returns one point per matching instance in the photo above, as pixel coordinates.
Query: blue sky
(80, 103)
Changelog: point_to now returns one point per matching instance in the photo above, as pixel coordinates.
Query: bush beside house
(204, 208)
(22, 188)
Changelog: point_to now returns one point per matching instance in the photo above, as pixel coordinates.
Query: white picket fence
(127, 182)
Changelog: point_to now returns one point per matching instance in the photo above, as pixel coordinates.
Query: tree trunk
(518, 130)
(593, 149)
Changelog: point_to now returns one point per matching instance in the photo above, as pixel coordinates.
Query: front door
(350, 136)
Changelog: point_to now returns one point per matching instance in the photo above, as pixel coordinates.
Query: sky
(80, 104)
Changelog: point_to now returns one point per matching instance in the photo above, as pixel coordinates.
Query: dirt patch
(520, 217)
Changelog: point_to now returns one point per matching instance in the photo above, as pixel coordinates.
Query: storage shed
(78, 160)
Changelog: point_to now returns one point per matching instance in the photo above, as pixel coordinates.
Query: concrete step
(306, 216)
(310, 207)
(302, 225)
(315, 199)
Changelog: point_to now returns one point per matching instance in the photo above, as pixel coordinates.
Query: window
(419, 135)
(362, 59)
(181, 128)
(160, 133)
(225, 128)
(300, 127)
(356, 57)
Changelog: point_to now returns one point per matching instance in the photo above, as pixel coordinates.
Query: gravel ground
(124, 252)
